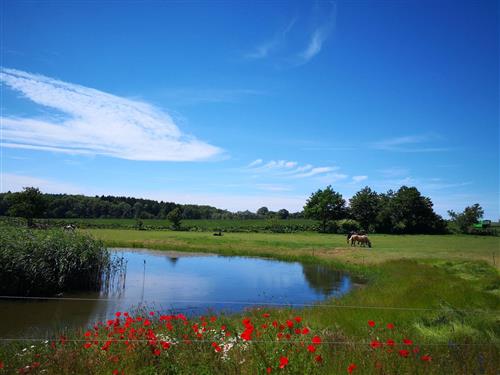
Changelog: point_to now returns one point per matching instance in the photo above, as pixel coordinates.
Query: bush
(348, 225)
(46, 262)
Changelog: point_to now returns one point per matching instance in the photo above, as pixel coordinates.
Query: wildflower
(390, 326)
(371, 323)
(305, 331)
(316, 340)
(297, 331)
(416, 350)
(266, 315)
(407, 342)
(213, 318)
(268, 370)
(216, 347)
(404, 353)
(311, 348)
(289, 323)
(351, 368)
(283, 362)
(118, 314)
(115, 372)
(165, 345)
(318, 358)
(156, 352)
(87, 345)
(1, 365)
(151, 313)
(426, 358)
(298, 319)
(375, 344)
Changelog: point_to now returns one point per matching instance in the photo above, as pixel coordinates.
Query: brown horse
(360, 239)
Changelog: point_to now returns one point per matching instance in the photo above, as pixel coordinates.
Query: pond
(177, 282)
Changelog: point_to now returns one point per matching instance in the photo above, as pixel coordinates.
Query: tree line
(405, 211)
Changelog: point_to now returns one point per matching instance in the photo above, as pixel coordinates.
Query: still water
(176, 282)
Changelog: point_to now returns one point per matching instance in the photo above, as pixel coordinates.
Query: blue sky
(243, 105)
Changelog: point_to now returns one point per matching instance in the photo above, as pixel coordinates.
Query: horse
(360, 239)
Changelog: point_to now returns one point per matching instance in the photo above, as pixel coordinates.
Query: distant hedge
(47, 262)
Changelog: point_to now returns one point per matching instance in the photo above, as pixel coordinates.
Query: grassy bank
(320, 246)
(440, 292)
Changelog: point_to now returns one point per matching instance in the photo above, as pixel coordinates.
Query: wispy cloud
(411, 143)
(358, 179)
(319, 36)
(16, 182)
(263, 50)
(287, 169)
(96, 123)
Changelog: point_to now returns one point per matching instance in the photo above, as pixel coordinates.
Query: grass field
(442, 292)
(321, 246)
(231, 225)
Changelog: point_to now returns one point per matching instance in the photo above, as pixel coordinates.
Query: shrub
(46, 262)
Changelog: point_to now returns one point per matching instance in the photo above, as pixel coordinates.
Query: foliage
(29, 204)
(364, 206)
(263, 211)
(325, 205)
(175, 217)
(462, 221)
(46, 262)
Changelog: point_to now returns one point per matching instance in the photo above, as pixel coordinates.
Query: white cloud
(319, 36)
(255, 163)
(359, 178)
(262, 51)
(411, 143)
(96, 123)
(289, 169)
(314, 172)
(16, 182)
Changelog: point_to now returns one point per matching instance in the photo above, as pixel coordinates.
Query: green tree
(263, 211)
(175, 217)
(465, 219)
(325, 205)
(365, 206)
(29, 204)
(413, 213)
(283, 213)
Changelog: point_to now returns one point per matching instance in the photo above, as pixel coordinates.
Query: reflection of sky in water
(195, 284)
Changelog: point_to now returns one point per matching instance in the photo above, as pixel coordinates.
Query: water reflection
(177, 282)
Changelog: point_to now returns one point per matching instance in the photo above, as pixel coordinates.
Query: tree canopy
(325, 205)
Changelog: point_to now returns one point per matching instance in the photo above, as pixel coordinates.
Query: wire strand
(252, 303)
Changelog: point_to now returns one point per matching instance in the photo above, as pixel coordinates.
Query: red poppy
(318, 358)
(275, 324)
(223, 328)
(297, 331)
(375, 344)
(87, 345)
(416, 350)
(165, 345)
(390, 342)
(88, 334)
(213, 318)
(408, 342)
(1, 365)
(298, 319)
(266, 315)
(118, 314)
(156, 352)
(264, 326)
(151, 313)
(351, 368)
(289, 323)
(311, 348)
(283, 362)
(305, 331)
(371, 323)
(316, 340)
(115, 372)
(390, 326)
(404, 353)
(268, 370)
(426, 358)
